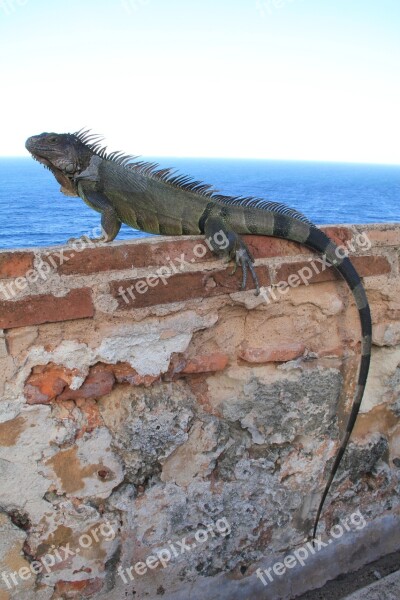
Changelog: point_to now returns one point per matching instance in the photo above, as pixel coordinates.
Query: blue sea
(34, 213)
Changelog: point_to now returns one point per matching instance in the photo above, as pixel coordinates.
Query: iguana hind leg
(225, 241)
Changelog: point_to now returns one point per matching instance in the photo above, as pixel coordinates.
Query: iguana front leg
(236, 248)
(110, 222)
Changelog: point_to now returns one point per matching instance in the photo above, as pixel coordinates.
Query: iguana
(145, 197)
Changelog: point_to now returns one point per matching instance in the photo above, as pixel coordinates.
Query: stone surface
(88, 469)
(386, 334)
(150, 419)
(387, 588)
(3, 346)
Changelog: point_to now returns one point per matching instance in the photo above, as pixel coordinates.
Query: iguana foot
(233, 248)
(244, 258)
(87, 240)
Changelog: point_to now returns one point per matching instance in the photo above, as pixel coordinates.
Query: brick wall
(141, 388)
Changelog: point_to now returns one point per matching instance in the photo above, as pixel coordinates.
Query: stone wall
(164, 435)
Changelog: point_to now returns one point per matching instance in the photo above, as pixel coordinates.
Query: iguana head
(64, 154)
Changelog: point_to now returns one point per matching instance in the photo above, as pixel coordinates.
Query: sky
(278, 79)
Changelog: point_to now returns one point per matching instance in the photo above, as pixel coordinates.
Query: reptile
(159, 201)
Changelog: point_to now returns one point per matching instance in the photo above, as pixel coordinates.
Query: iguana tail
(317, 240)
(266, 218)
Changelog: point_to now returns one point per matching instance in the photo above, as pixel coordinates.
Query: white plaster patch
(93, 452)
(18, 463)
(146, 347)
(384, 362)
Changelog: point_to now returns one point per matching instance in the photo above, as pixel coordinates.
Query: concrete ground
(379, 580)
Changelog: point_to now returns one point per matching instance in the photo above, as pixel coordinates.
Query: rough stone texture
(127, 429)
(387, 588)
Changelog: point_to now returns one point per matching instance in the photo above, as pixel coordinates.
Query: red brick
(371, 265)
(186, 286)
(286, 269)
(15, 264)
(262, 246)
(124, 373)
(84, 588)
(98, 383)
(132, 256)
(267, 246)
(281, 353)
(338, 234)
(46, 382)
(34, 310)
(143, 254)
(384, 237)
(207, 363)
(364, 265)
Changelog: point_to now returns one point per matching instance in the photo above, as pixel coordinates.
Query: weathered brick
(281, 353)
(15, 264)
(124, 373)
(371, 265)
(267, 247)
(143, 254)
(184, 286)
(287, 270)
(34, 310)
(134, 256)
(46, 382)
(207, 363)
(98, 383)
(388, 237)
(262, 246)
(83, 588)
(339, 234)
(364, 265)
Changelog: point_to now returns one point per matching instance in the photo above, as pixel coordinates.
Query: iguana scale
(155, 200)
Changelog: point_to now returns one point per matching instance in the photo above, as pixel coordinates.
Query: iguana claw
(246, 260)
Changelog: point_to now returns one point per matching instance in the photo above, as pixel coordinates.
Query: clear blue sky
(297, 79)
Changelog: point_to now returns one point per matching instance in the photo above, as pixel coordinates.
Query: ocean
(34, 213)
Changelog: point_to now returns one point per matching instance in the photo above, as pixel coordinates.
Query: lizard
(158, 201)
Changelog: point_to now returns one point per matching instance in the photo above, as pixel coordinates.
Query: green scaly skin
(156, 201)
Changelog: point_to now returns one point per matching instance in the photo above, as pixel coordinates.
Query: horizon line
(253, 158)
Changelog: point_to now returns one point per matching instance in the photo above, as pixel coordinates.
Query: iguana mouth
(67, 186)
(43, 161)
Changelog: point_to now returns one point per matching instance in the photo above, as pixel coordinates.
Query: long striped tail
(317, 240)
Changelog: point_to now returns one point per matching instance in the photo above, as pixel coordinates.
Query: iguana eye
(53, 139)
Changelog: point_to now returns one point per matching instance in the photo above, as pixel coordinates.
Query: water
(34, 213)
